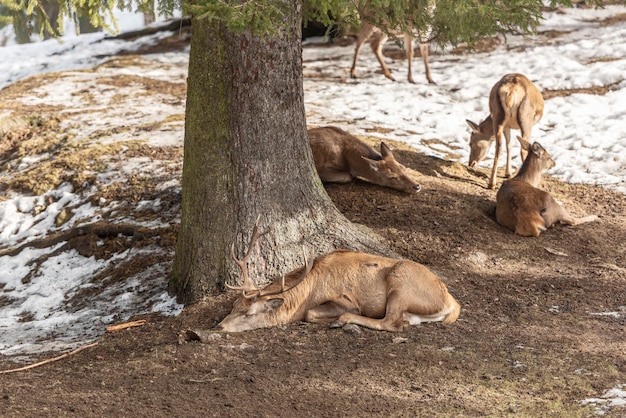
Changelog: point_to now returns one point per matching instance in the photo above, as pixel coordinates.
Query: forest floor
(542, 326)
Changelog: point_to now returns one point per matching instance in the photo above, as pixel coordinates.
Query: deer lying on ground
(343, 287)
(378, 39)
(514, 103)
(525, 209)
(340, 157)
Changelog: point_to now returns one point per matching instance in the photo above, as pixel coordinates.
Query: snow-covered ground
(585, 133)
(55, 322)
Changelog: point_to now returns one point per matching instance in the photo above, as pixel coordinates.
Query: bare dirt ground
(528, 342)
(533, 340)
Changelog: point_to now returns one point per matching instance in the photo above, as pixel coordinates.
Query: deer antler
(248, 288)
(306, 269)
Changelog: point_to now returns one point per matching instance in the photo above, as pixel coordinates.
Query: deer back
(520, 205)
(515, 102)
(335, 149)
(332, 275)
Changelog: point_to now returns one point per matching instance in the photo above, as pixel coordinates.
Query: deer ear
(536, 148)
(385, 151)
(264, 306)
(375, 165)
(525, 144)
(472, 125)
(274, 303)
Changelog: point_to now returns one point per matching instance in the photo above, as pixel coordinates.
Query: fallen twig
(555, 252)
(50, 360)
(125, 325)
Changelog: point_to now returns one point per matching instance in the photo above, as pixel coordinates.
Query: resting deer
(514, 103)
(343, 287)
(522, 207)
(340, 157)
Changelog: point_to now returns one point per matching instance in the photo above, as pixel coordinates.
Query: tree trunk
(247, 155)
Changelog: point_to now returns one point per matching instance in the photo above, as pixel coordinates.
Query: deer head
(537, 161)
(390, 173)
(480, 140)
(248, 289)
(253, 309)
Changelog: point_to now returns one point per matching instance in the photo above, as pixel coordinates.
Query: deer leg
(524, 152)
(331, 310)
(554, 213)
(396, 317)
(408, 46)
(496, 158)
(526, 126)
(529, 224)
(384, 324)
(377, 43)
(585, 219)
(507, 138)
(334, 176)
(364, 33)
(424, 52)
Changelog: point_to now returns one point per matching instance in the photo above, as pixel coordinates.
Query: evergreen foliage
(451, 21)
(35, 16)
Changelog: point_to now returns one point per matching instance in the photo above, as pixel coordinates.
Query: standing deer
(343, 287)
(340, 157)
(514, 103)
(378, 39)
(525, 209)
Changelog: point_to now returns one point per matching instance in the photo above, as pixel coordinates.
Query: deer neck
(486, 126)
(530, 172)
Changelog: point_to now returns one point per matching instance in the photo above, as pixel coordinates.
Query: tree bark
(247, 155)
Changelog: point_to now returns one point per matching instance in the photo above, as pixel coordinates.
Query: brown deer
(378, 39)
(343, 287)
(514, 103)
(340, 157)
(525, 209)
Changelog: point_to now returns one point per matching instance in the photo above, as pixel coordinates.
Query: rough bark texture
(247, 155)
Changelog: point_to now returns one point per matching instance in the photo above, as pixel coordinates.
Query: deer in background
(343, 287)
(340, 157)
(378, 39)
(514, 103)
(525, 209)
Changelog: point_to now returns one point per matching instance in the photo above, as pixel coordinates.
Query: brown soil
(529, 342)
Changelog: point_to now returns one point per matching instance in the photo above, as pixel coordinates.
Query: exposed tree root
(100, 229)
